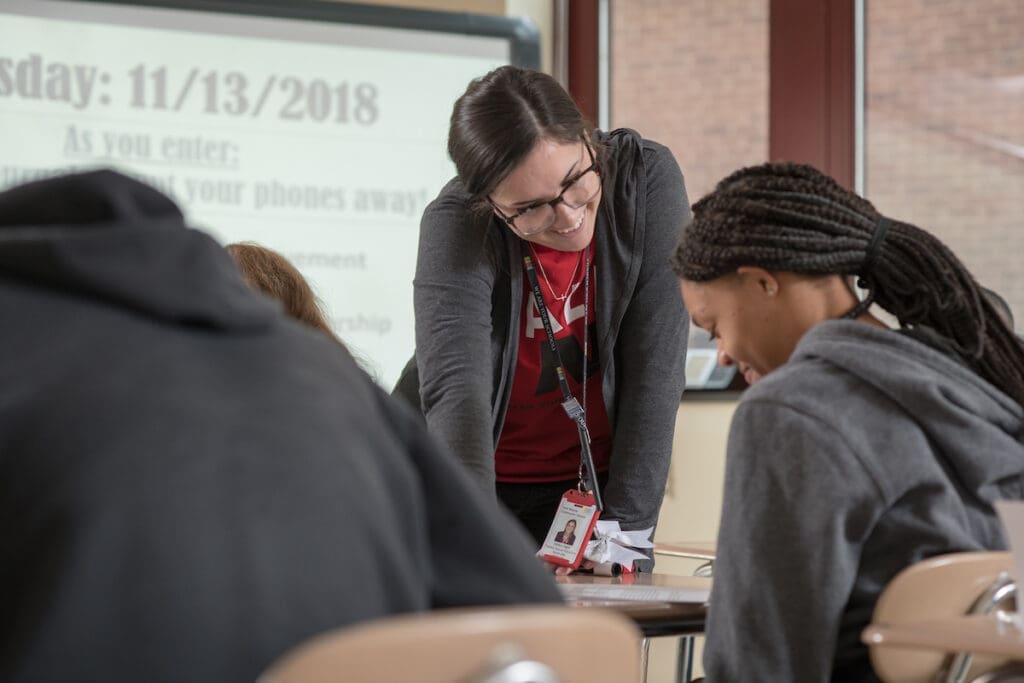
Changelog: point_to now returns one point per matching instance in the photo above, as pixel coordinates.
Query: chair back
(530, 644)
(942, 586)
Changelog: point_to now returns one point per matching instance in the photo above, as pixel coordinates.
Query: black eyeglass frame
(553, 203)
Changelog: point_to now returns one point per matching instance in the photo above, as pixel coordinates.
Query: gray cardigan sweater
(866, 452)
(468, 293)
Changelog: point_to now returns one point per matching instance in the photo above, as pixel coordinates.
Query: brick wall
(945, 128)
(944, 143)
(693, 75)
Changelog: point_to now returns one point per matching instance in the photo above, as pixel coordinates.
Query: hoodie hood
(109, 237)
(963, 415)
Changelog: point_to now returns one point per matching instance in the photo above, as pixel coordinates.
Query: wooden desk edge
(700, 550)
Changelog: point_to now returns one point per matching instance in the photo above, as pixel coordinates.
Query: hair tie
(871, 254)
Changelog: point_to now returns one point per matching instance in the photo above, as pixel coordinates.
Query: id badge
(571, 529)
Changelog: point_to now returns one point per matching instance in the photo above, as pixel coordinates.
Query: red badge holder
(571, 529)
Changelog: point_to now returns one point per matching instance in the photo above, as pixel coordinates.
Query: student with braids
(863, 449)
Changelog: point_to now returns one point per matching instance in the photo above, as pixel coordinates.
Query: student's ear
(762, 280)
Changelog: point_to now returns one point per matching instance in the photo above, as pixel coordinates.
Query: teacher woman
(596, 216)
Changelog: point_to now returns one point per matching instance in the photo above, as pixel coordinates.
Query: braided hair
(791, 217)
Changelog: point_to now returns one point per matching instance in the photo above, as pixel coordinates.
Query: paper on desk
(604, 591)
(613, 545)
(1011, 514)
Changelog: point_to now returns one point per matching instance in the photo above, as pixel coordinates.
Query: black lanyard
(572, 407)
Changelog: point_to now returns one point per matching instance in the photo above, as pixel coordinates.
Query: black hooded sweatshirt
(191, 482)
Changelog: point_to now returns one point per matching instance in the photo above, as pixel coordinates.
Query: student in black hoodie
(190, 481)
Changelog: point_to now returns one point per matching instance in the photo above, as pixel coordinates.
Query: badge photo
(571, 529)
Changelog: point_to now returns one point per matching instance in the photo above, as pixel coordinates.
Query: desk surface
(661, 604)
(993, 634)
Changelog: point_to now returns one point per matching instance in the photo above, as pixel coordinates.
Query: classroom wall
(694, 76)
(693, 496)
(693, 499)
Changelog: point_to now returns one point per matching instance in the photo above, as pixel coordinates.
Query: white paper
(613, 545)
(603, 591)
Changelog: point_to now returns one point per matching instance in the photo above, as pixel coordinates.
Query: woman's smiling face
(541, 177)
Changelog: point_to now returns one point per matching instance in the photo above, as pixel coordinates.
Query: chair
(528, 644)
(694, 550)
(953, 585)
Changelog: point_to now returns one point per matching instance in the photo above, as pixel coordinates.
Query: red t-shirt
(538, 441)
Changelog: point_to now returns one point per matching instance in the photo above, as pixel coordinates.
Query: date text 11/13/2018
(209, 91)
(290, 97)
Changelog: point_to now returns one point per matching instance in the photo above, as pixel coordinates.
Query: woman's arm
(452, 301)
(650, 353)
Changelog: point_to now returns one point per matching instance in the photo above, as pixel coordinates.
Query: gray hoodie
(865, 453)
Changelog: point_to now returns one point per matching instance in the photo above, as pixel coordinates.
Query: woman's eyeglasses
(578, 191)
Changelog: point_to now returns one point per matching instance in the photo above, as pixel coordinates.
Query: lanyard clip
(572, 408)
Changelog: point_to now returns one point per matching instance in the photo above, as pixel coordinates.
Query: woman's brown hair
(274, 275)
(501, 117)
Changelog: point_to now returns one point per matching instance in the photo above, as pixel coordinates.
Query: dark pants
(534, 504)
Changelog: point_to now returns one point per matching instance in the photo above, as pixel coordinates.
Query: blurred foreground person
(191, 482)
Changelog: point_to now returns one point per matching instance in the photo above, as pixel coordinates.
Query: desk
(659, 604)
(663, 604)
(989, 634)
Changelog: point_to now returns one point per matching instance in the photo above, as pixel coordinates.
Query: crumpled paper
(610, 544)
